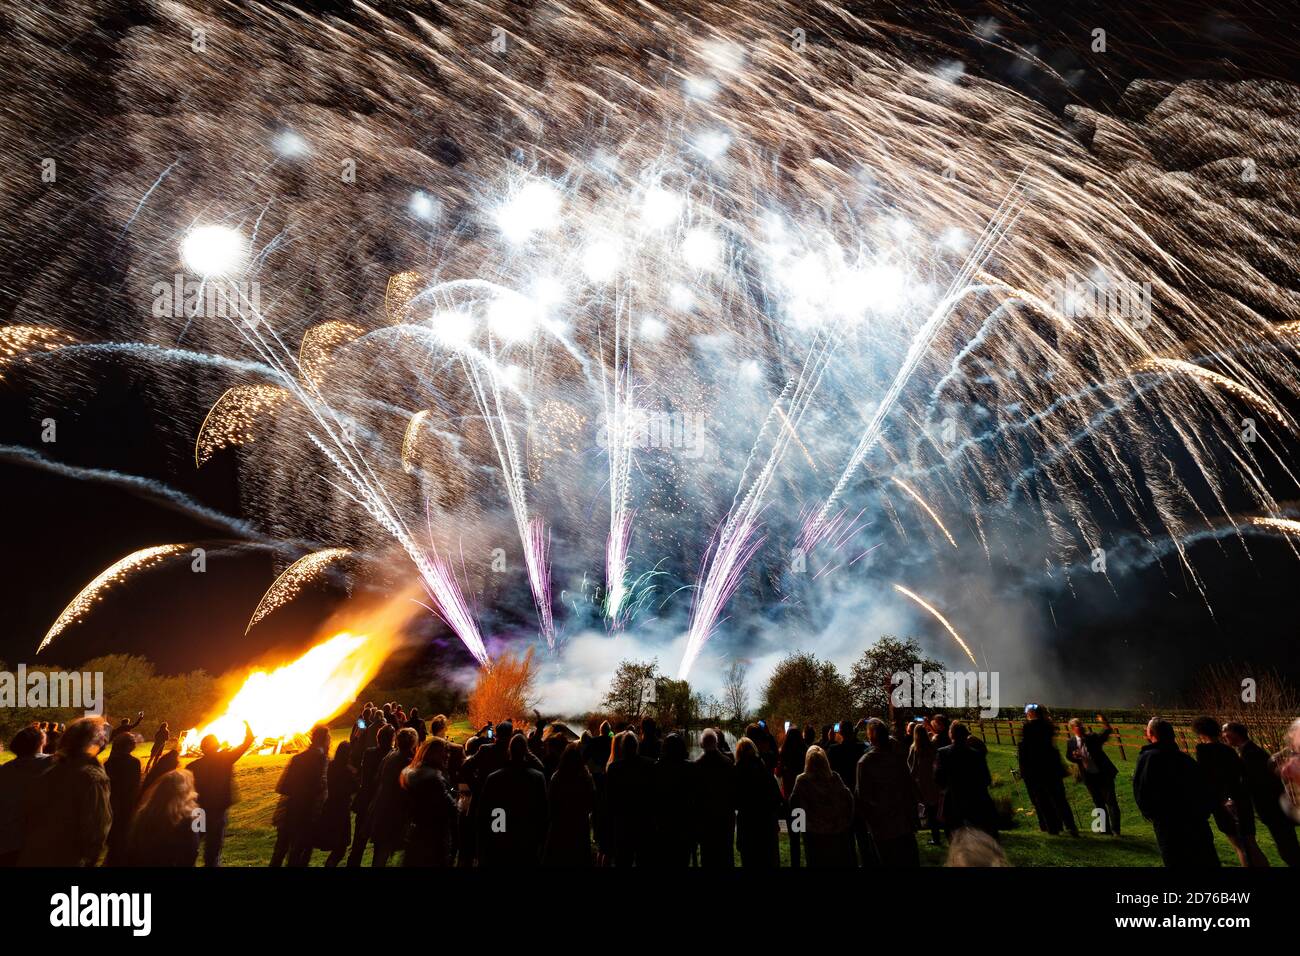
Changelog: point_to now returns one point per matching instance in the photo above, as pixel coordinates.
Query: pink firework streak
(616, 547)
(729, 554)
(539, 576)
(449, 604)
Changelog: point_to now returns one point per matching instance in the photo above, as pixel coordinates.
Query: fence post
(1119, 739)
(1012, 727)
(997, 733)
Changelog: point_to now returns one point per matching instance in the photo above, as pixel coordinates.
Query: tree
(674, 705)
(871, 678)
(735, 695)
(708, 709)
(632, 688)
(506, 692)
(804, 688)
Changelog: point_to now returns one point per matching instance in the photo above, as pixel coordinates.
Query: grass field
(250, 836)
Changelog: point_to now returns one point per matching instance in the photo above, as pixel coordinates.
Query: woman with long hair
(758, 808)
(920, 763)
(789, 764)
(334, 831)
(825, 806)
(570, 800)
(430, 805)
(390, 815)
(164, 832)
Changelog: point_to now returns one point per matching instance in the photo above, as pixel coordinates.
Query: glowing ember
(289, 700)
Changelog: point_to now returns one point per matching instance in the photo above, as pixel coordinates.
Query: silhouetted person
(1088, 750)
(629, 785)
(920, 763)
(160, 738)
(368, 785)
(214, 779)
(1043, 772)
(123, 770)
(715, 803)
(974, 847)
(844, 757)
(416, 723)
(1266, 791)
(510, 811)
(674, 789)
(962, 773)
(570, 799)
(17, 778)
(887, 799)
(389, 818)
(126, 725)
(69, 810)
(790, 760)
(650, 744)
(822, 807)
(334, 832)
(1234, 813)
(302, 790)
(168, 762)
(940, 734)
(1172, 792)
(597, 752)
(163, 832)
(758, 808)
(430, 840)
(52, 736)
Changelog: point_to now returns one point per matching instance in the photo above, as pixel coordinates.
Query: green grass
(250, 836)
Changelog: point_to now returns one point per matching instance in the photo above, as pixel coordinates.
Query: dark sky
(60, 532)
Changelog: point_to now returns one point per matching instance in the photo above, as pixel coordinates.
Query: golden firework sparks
(293, 579)
(319, 343)
(232, 418)
(938, 617)
(1214, 378)
(928, 510)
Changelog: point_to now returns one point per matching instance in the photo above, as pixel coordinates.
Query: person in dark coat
(715, 803)
(17, 777)
(431, 838)
(1266, 791)
(160, 738)
(416, 723)
(962, 773)
(822, 807)
(302, 789)
(597, 751)
(334, 832)
(511, 812)
(629, 787)
(163, 832)
(127, 725)
(214, 778)
(389, 818)
(940, 733)
(69, 808)
(367, 786)
(844, 757)
(168, 762)
(790, 760)
(887, 799)
(674, 788)
(1088, 751)
(1043, 772)
(1234, 813)
(123, 771)
(570, 799)
(758, 808)
(650, 745)
(1172, 792)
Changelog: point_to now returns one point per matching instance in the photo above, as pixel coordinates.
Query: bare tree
(735, 695)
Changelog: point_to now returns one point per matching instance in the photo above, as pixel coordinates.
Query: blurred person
(511, 811)
(431, 838)
(389, 813)
(69, 812)
(169, 761)
(570, 800)
(650, 743)
(758, 808)
(920, 764)
(416, 723)
(160, 738)
(1171, 791)
(823, 808)
(302, 790)
(334, 832)
(972, 846)
(1043, 772)
(790, 762)
(17, 777)
(1234, 812)
(126, 725)
(715, 804)
(887, 799)
(962, 774)
(1088, 751)
(123, 769)
(674, 804)
(939, 732)
(214, 779)
(367, 786)
(164, 832)
(52, 735)
(1266, 791)
(629, 789)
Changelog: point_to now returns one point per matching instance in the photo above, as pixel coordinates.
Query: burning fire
(284, 703)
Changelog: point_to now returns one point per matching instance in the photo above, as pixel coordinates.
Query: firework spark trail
(1216, 379)
(938, 617)
(620, 433)
(409, 439)
(912, 493)
(1002, 221)
(293, 579)
(114, 574)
